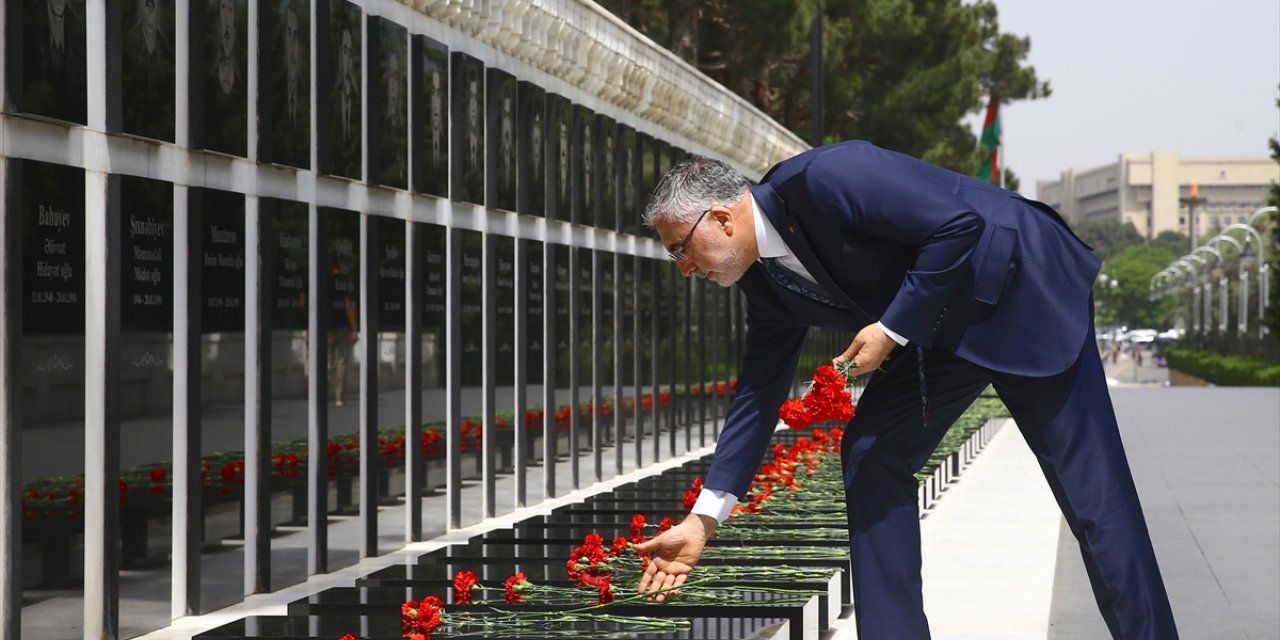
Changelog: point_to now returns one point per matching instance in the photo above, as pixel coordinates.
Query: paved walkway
(1000, 564)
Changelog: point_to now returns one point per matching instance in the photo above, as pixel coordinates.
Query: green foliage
(1107, 237)
(1272, 318)
(1128, 303)
(900, 73)
(1224, 369)
(1172, 241)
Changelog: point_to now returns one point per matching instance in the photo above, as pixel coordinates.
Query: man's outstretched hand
(673, 554)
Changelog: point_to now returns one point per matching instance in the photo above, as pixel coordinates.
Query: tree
(1272, 317)
(1108, 237)
(1174, 242)
(1129, 302)
(900, 73)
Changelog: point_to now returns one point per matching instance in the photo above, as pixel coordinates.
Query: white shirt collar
(768, 240)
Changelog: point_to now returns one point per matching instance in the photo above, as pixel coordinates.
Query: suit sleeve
(884, 196)
(768, 366)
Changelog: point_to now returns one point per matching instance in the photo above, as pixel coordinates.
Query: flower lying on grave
(463, 583)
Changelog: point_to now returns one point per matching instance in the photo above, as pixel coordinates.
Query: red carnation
(513, 586)
(463, 583)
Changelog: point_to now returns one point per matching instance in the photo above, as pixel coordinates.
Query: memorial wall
(360, 273)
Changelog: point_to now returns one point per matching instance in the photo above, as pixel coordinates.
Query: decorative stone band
(588, 47)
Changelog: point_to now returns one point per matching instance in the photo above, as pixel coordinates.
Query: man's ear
(724, 218)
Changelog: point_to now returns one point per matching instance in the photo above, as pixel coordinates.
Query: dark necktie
(794, 283)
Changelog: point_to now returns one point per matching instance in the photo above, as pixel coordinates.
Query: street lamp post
(1264, 268)
(1211, 273)
(1223, 282)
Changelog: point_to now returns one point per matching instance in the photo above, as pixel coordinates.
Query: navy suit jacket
(942, 259)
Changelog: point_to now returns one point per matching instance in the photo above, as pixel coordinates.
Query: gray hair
(694, 185)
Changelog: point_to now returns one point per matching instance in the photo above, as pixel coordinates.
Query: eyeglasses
(677, 253)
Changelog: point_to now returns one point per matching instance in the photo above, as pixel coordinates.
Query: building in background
(1152, 191)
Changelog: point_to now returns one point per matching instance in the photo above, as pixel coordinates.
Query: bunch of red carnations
(828, 400)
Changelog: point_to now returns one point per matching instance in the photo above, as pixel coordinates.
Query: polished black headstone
(534, 309)
(606, 170)
(388, 84)
(391, 273)
(430, 140)
(50, 200)
(531, 149)
(45, 54)
(629, 179)
(503, 301)
(219, 71)
(472, 308)
(146, 270)
(221, 260)
(467, 95)
(559, 161)
(289, 232)
(583, 155)
(500, 141)
(340, 90)
(147, 67)
(284, 87)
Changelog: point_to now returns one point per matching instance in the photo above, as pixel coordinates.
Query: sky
(1196, 77)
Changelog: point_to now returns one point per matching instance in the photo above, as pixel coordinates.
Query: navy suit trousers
(1070, 425)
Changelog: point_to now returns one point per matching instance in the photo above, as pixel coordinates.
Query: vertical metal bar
(101, 404)
(518, 423)
(488, 322)
(413, 465)
(676, 292)
(259, 252)
(102, 333)
(549, 354)
(453, 399)
(320, 285)
(370, 320)
(10, 431)
(188, 323)
(658, 414)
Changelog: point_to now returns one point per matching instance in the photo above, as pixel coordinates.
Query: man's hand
(674, 553)
(869, 349)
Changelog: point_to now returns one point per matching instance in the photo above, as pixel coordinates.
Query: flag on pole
(990, 143)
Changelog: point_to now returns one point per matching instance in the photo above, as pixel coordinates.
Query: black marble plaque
(388, 103)
(45, 52)
(583, 159)
(628, 337)
(585, 290)
(559, 127)
(663, 153)
(472, 308)
(340, 90)
(391, 270)
(50, 199)
(606, 169)
(435, 277)
(468, 128)
(430, 117)
(531, 150)
(342, 255)
(147, 67)
(604, 332)
(289, 231)
(534, 308)
(219, 98)
(500, 142)
(629, 190)
(146, 258)
(504, 310)
(284, 83)
(221, 261)
(648, 163)
(564, 290)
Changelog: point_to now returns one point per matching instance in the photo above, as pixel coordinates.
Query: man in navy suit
(967, 285)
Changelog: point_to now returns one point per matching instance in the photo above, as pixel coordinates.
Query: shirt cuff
(902, 342)
(715, 503)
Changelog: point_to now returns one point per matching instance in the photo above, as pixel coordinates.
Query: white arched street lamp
(1212, 271)
(1247, 261)
(1224, 283)
(1197, 288)
(1264, 268)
